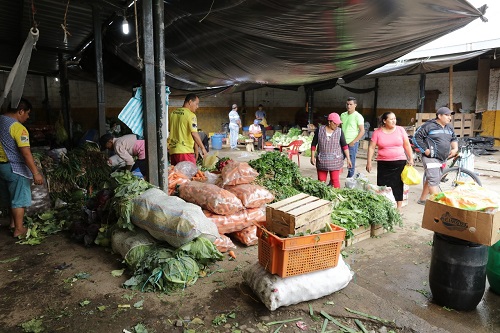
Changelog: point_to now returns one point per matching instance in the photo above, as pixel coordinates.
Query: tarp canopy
(238, 45)
(423, 65)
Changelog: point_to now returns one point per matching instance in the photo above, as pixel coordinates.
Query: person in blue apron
(328, 150)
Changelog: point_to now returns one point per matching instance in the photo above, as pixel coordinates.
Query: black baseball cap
(444, 110)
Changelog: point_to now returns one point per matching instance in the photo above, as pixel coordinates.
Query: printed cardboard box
(476, 227)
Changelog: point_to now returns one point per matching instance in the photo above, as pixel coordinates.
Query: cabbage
(181, 270)
(202, 250)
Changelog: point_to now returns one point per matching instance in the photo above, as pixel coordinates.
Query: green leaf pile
(352, 207)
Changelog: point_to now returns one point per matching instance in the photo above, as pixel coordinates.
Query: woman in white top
(234, 126)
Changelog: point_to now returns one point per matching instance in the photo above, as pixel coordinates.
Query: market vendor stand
(388, 283)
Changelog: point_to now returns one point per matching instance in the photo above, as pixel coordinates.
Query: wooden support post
(450, 103)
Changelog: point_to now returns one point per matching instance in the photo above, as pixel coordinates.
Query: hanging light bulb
(125, 27)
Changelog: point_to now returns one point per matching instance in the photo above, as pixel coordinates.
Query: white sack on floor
(40, 198)
(171, 219)
(275, 291)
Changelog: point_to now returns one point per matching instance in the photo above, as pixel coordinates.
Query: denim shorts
(14, 188)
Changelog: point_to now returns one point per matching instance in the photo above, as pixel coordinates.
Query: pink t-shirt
(390, 145)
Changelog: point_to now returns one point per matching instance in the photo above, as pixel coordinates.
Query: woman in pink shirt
(394, 152)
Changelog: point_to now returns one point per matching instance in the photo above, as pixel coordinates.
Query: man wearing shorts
(17, 166)
(434, 139)
(183, 128)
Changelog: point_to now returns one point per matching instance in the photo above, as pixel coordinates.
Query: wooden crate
(359, 234)
(377, 230)
(299, 213)
(463, 123)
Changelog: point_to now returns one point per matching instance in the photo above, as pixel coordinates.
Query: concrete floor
(392, 271)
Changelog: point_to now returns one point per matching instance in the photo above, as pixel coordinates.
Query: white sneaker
(235, 148)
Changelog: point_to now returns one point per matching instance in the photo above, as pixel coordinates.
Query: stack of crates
(289, 256)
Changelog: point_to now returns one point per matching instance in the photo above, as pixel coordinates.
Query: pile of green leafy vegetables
(352, 207)
(126, 188)
(84, 167)
(163, 269)
(50, 222)
(280, 139)
(356, 208)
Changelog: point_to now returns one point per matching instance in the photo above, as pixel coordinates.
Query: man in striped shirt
(17, 166)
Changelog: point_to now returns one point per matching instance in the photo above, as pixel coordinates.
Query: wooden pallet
(463, 123)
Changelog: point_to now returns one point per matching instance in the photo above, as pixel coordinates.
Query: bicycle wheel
(453, 177)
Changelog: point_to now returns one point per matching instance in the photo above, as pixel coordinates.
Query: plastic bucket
(217, 141)
(493, 267)
(457, 274)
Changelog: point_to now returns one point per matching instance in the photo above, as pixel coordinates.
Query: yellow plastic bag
(410, 176)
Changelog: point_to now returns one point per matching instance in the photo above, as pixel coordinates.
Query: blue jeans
(352, 154)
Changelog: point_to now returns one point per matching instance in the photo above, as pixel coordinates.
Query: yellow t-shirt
(21, 137)
(263, 122)
(182, 122)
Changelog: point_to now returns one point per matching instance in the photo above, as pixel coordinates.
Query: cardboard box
(472, 226)
(299, 213)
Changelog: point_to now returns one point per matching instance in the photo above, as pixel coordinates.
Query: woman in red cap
(328, 149)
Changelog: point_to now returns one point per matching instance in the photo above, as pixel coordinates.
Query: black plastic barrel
(457, 275)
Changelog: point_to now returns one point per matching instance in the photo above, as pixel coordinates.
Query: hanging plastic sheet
(17, 76)
(250, 44)
(132, 115)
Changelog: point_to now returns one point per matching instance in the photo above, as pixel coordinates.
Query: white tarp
(17, 75)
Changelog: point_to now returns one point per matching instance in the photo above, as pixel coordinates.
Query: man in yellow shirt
(183, 132)
(17, 166)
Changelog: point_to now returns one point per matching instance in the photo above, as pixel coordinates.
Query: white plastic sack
(381, 190)
(359, 181)
(275, 291)
(170, 218)
(187, 168)
(40, 198)
(116, 162)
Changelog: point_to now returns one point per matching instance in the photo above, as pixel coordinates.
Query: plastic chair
(293, 149)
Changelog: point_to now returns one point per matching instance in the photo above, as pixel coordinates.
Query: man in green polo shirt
(353, 127)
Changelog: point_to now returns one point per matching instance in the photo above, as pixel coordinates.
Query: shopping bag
(410, 176)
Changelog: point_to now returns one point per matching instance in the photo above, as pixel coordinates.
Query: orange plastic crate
(299, 255)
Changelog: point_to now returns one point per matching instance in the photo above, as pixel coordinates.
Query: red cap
(335, 118)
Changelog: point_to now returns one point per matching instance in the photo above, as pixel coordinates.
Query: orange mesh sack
(210, 197)
(175, 178)
(235, 173)
(224, 243)
(247, 236)
(237, 221)
(252, 196)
